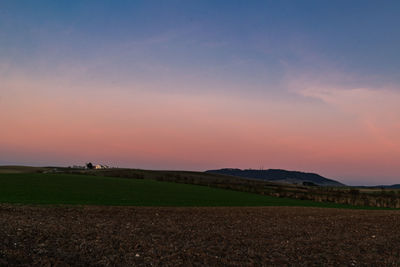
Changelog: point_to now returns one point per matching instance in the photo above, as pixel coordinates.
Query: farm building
(100, 166)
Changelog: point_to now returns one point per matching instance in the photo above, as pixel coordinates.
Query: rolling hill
(280, 176)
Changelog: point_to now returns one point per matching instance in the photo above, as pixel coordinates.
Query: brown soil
(125, 236)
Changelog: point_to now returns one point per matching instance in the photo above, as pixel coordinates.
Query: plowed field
(145, 236)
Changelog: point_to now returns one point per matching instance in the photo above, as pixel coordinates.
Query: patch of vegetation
(382, 198)
(37, 188)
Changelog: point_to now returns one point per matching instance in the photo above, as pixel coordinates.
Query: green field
(35, 188)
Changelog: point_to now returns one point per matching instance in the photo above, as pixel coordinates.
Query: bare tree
(89, 165)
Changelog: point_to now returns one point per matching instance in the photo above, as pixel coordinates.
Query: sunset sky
(194, 85)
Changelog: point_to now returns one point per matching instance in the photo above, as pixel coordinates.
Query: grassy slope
(20, 169)
(35, 188)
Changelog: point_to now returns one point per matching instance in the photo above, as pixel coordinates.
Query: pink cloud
(343, 132)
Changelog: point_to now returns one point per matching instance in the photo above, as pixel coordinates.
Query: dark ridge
(293, 177)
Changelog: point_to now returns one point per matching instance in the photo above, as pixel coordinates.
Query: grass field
(33, 188)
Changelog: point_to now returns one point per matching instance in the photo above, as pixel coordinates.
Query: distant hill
(281, 176)
(393, 186)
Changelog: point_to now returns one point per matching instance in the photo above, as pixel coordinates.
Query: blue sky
(319, 77)
(256, 40)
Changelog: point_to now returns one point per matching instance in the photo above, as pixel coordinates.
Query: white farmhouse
(100, 166)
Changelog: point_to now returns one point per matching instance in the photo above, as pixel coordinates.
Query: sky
(194, 85)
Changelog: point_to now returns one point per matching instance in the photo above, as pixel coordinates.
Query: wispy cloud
(376, 108)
